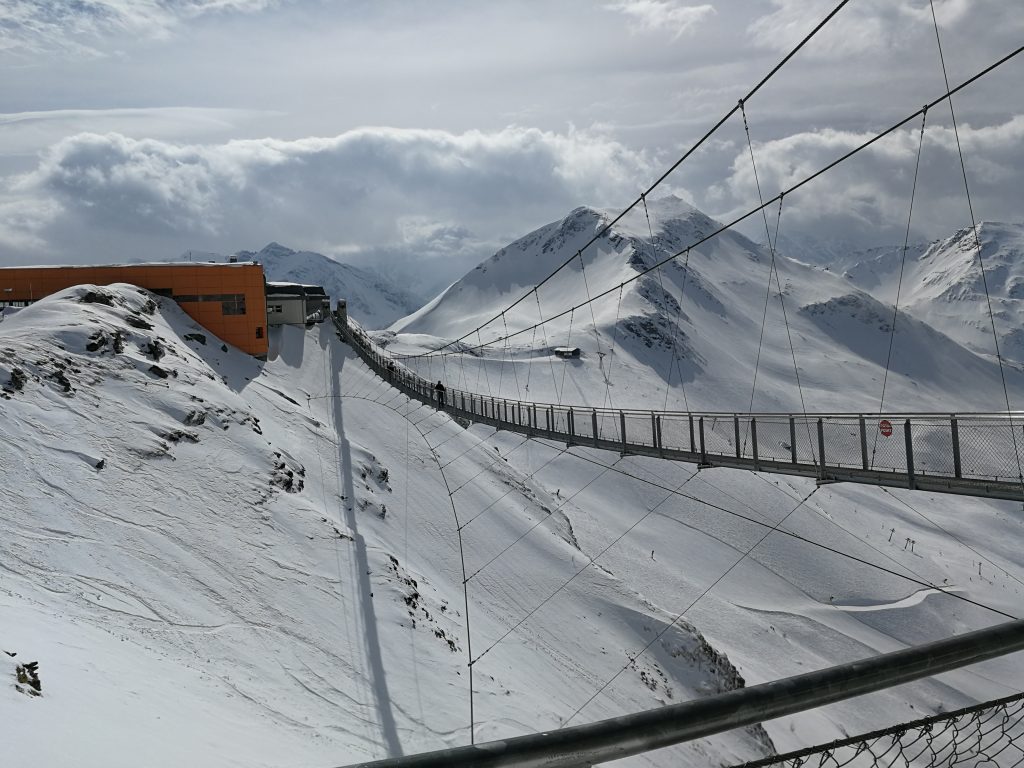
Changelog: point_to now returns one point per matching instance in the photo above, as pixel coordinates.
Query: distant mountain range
(690, 334)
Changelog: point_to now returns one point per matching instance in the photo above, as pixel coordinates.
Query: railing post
(792, 438)
(593, 422)
(462, 397)
(572, 427)
(654, 431)
(955, 431)
(533, 414)
(703, 451)
(622, 424)
(753, 439)
(736, 433)
(910, 454)
(548, 419)
(494, 410)
(693, 443)
(863, 442)
(821, 450)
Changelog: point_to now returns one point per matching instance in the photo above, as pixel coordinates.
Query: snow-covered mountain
(942, 285)
(373, 299)
(701, 315)
(222, 562)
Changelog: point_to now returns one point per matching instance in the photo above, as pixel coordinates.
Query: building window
(274, 308)
(233, 304)
(259, 331)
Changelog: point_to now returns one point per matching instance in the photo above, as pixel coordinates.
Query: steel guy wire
(798, 537)
(899, 282)
(591, 561)
(632, 658)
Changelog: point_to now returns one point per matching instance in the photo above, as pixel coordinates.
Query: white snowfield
(222, 562)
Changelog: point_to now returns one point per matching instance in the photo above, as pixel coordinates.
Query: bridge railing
(974, 453)
(639, 732)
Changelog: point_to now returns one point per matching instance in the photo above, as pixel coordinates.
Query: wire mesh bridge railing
(990, 734)
(973, 454)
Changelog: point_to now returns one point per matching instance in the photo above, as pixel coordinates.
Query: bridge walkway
(972, 454)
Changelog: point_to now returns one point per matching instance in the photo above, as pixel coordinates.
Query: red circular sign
(885, 427)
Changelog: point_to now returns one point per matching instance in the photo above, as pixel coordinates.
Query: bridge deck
(968, 454)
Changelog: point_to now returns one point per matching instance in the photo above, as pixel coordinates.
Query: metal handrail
(963, 460)
(620, 737)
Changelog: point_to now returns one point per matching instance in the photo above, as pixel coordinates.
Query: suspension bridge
(970, 454)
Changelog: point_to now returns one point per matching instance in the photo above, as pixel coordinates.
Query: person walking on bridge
(439, 392)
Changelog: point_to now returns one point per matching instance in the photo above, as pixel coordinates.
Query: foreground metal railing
(972, 454)
(989, 734)
(633, 734)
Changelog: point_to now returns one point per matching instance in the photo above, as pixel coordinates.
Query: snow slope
(689, 336)
(218, 562)
(943, 286)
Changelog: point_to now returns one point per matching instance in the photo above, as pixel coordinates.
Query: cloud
(663, 15)
(866, 198)
(367, 191)
(79, 27)
(866, 26)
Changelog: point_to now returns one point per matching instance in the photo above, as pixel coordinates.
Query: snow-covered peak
(373, 299)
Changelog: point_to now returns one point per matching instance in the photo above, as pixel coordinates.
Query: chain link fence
(990, 735)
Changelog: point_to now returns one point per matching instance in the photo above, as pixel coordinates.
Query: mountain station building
(228, 299)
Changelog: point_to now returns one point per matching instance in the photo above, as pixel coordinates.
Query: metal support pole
(736, 433)
(548, 418)
(622, 423)
(703, 451)
(753, 439)
(792, 438)
(693, 443)
(910, 454)
(593, 423)
(656, 432)
(863, 442)
(821, 450)
(955, 430)
(572, 428)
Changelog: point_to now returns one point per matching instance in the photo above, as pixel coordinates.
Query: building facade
(229, 300)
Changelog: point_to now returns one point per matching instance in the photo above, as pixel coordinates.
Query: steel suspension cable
(714, 129)
(796, 536)
(590, 562)
(774, 269)
(611, 355)
(632, 659)
(977, 243)
(675, 332)
(899, 282)
(743, 217)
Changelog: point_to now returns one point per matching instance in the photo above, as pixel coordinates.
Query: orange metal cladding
(246, 331)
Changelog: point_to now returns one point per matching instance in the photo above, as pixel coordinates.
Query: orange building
(229, 300)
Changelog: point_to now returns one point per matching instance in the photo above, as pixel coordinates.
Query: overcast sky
(422, 136)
